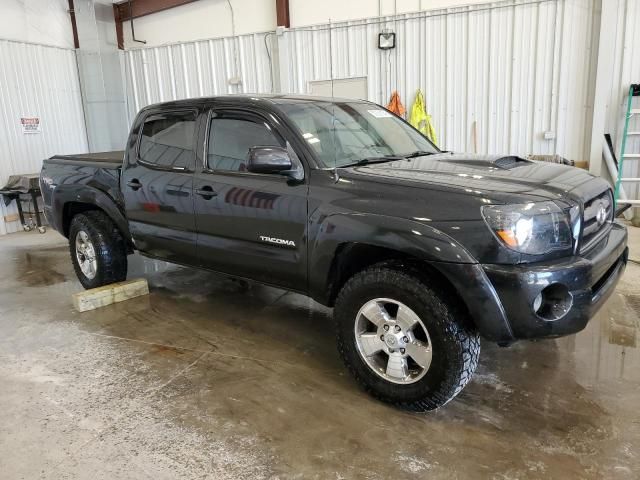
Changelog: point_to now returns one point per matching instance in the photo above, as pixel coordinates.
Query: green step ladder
(634, 91)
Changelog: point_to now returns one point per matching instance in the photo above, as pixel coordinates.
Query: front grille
(596, 221)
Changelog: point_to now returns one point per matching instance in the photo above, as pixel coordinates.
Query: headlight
(532, 228)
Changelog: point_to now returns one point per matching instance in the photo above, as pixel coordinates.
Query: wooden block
(116, 292)
(582, 164)
(11, 218)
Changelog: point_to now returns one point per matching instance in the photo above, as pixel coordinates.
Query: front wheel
(98, 250)
(407, 343)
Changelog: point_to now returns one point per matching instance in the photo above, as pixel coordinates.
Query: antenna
(333, 105)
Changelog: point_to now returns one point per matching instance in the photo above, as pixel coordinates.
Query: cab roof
(253, 99)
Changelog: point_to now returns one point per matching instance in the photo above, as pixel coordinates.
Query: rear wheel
(406, 342)
(98, 250)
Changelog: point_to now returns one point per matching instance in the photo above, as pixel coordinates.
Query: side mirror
(269, 160)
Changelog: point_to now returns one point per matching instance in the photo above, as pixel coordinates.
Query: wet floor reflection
(261, 363)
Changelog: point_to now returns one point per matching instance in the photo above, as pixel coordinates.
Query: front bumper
(589, 278)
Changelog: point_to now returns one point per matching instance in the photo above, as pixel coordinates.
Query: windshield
(363, 132)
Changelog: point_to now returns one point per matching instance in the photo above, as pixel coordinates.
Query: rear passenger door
(249, 225)
(157, 185)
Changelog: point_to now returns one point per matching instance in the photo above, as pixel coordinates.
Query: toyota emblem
(601, 216)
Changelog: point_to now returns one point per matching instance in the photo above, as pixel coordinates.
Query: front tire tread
(454, 323)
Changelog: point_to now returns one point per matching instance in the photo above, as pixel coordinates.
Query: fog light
(553, 302)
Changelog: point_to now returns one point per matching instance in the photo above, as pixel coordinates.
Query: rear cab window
(167, 140)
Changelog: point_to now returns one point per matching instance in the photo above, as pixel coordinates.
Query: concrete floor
(205, 379)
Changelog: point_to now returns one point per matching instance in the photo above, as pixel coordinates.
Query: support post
(119, 30)
(282, 13)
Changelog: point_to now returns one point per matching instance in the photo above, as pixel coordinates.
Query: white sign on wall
(30, 124)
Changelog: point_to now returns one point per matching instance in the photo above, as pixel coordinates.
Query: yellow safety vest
(421, 120)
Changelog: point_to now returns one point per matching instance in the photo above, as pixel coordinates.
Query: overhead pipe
(133, 32)
(74, 26)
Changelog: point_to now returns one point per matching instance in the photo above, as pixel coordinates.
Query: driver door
(249, 225)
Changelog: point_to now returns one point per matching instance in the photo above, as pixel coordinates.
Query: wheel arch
(351, 258)
(346, 243)
(408, 245)
(70, 203)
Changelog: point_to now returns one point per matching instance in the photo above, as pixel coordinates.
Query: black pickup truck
(420, 252)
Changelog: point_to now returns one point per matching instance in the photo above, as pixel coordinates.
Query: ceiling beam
(282, 13)
(140, 8)
(128, 10)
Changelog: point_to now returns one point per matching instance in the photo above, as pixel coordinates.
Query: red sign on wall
(30, 124)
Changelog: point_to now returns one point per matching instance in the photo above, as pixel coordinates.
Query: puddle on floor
(36, 269)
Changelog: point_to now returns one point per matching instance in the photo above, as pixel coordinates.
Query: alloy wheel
(393, 341)
(86, 255)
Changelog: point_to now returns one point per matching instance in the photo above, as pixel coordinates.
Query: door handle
(206, 192)
(134, 184)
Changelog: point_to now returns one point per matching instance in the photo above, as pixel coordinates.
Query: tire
(453, 341)
(106, 246)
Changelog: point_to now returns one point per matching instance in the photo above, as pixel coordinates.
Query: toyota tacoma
(420, 252)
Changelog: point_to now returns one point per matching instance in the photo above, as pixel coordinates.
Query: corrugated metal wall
(626, 70)
(626, 64)
(516, 69)
(496, 77)
(37, 81)
(195, 69)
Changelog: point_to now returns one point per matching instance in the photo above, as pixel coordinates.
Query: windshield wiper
(418, 153)
(387, 158)
(369, 160)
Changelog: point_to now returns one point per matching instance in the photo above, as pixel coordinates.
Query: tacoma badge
(278, 241)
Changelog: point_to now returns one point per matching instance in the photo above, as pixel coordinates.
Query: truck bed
(84, 176)
(114, 157)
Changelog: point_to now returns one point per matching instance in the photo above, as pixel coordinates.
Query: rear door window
(167, 140)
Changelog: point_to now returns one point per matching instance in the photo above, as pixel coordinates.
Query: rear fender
(84, 194)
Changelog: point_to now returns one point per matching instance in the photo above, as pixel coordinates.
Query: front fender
(65, 194)
(413, 239)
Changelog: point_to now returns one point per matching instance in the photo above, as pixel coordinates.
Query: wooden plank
(14, 217)
(116, 292)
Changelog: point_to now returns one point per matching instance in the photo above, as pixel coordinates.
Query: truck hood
(502, 178)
